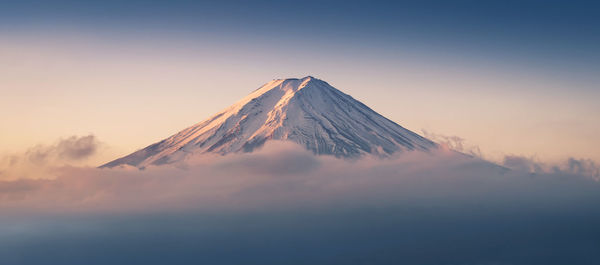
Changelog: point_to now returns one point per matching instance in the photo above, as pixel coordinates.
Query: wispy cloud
(39, 160)
(71, 148)
(454, 142)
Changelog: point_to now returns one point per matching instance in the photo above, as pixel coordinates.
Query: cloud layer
(284, 205)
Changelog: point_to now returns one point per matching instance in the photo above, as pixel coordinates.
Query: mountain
(306, 111)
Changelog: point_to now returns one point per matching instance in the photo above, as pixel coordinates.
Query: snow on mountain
(307, 111)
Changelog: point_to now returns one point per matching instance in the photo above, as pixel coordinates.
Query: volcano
(306, 111)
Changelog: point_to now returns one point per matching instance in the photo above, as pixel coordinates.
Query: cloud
(71, 148)
(76, 148)
(40, 160)
(586, 167)
(454, 142)
(573, 166)
(576, 166)
(284, 172)
(522, 163)
(284, 205)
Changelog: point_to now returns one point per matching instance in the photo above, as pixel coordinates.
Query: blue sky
(450, 67)
(545, 30)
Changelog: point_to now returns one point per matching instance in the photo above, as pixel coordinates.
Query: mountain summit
(307, 111)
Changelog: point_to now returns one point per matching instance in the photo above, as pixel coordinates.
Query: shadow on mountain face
(417, 208)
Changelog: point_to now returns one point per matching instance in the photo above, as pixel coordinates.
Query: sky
(511, 82)
(508, 77)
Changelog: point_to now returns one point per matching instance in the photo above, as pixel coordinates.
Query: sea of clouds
(283, 205)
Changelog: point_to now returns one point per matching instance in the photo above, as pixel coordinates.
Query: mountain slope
(306, 111)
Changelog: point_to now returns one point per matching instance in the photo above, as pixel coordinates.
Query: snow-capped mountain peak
(307, 111)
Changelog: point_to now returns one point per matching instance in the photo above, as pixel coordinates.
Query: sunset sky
(511, 77)
(514, 84)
